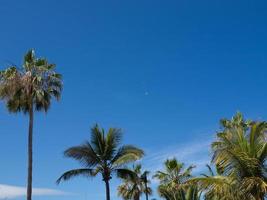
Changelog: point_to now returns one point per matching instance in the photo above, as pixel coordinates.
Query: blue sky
(163, 71)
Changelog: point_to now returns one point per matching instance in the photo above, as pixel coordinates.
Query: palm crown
(174, 173)
(172, 179)
(31, 86)
(102, 155)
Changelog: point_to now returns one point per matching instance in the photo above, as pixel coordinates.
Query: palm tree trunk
(137, 197)
(107, 190)
(261, 197)
(146, 190)
(30, 136)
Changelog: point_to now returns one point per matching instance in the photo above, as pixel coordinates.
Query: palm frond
(113, 139)
(126, 174)
(127, 154)
(85, 154)
(76, 172)
(98, 140)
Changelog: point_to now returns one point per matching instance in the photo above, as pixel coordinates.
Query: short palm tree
(102, 155)
(28, 89)
(172, 179)
(134, 186)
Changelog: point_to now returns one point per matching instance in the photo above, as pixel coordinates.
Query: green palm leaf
(76, 172)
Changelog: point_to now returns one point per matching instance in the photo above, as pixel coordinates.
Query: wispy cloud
(196, 152)
(11, 192)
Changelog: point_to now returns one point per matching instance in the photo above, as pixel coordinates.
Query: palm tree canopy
(32, 85)
(172, 179)
(102, 154)
(174, 172)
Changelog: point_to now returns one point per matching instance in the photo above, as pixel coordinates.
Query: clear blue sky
(164, 71)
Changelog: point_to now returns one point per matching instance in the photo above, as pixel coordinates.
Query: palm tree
(172, 179)
(239, 155)
(102, 155)
(240, 152)
(134, 186)
(28, 89)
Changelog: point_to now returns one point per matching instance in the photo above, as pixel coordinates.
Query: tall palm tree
(134, 186)
(102, 155)
(172, 179)
(28, 89)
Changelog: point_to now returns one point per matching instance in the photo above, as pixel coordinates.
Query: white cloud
(192, 153)
(11, 192)
(196, 153)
